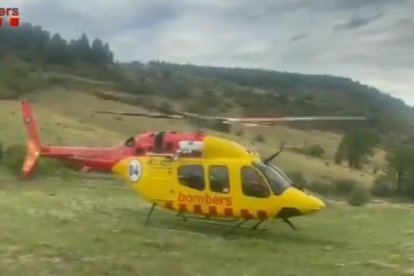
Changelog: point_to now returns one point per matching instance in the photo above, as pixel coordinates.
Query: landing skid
(290, 224)
(178, 231)
(208, 218)
(210, 221)
(218, 222)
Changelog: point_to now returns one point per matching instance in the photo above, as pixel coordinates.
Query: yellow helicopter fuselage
(226, 181)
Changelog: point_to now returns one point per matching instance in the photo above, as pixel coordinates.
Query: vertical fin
(33, 144)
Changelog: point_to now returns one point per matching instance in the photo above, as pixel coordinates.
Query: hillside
(70, 78)
(64, 121)
(259, 92)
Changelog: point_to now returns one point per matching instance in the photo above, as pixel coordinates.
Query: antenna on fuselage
(273, 156)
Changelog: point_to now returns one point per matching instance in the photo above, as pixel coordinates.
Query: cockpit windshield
(277, 179)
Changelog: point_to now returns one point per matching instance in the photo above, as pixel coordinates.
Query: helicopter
(102, 159)
(218, 179)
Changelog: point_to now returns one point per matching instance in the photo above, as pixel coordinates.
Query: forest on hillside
(36, 45)
(263, 92)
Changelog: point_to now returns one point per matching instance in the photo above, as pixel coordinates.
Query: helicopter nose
(314, 204)
(301, 203)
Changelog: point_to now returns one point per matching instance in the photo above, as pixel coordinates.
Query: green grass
(95, 227)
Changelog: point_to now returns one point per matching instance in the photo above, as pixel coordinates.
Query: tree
(100, 53)
(316, 151)
(80, 49)
(109, 56)
(56, 50)
(356, 146)
(401, 167)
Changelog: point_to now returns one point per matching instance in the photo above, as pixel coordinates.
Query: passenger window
(253, 184)
(191, 176)
(219, 179)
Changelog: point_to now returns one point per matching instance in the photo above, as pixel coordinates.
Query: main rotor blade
(249, 121)
(177, 115)
(303, 118)
(137, 114)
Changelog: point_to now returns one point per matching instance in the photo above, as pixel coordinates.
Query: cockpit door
(253, 184)
(255, 194)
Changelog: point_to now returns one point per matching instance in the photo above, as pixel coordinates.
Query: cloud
(298, 37)
(357, 22)
(358, 4)
(368, 40)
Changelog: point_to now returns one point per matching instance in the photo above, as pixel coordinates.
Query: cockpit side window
(191, 176)
(253, 184)
(219, 179)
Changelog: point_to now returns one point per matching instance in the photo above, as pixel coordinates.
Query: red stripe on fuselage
(182, 208)
(228, 212)
(262, 214)
(245, 214)
(197, 209)
(212, 210)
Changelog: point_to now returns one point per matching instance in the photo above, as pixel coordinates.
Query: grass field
(84, 226)
(95, 227)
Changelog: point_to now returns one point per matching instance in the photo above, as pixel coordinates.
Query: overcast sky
(371, 41)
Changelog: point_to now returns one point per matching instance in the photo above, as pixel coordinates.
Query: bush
(322, 188)
(14, 158)
(259, 138)
(316, 151)
(358, 196)
(382, 186)
(240, 133)
(297, 178)
(343, 187)
(298, 150)
(50, 167)
(219, 126)
(17, 79)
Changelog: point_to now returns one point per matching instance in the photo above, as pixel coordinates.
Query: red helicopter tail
(34, 147)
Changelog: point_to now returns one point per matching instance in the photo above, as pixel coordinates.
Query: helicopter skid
(207, 221)
(231, 229)
(208, 218)
(223, 222)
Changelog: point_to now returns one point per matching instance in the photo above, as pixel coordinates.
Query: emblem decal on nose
(134, 170)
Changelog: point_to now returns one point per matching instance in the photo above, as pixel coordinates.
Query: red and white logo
(9, 16)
